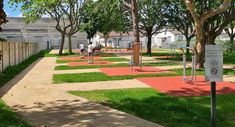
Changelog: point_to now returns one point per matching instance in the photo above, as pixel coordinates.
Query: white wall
(163, 39)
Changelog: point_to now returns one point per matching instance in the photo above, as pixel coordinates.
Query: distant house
(164, 39)
(118, 40)
(122, 40)
(167, 38)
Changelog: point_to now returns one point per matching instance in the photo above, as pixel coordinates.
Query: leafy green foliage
(103, 16)
(179, 18)
(151, 18)
(166, 110)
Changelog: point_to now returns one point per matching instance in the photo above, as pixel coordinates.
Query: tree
(89, 19)
(111, 17)
(231, 32)
(179, 18)
(2, 14)
(71, 10)
(64, 12)
(199, 20)
(151, 18)
(215, 25)
(132, 6)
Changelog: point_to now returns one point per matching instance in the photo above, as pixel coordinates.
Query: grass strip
(66, 67)
(106, 59)
(97, 76)
(11, 71)
(9, 118)
(116, 59)
(166, 110)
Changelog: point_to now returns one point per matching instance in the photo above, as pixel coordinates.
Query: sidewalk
(46, 104)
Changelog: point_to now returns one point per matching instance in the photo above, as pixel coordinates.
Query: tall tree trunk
(200, 46)
(187, 45)
(62, 43)
(136, 43)
(231, 43)
(211, 38)
(70, 43)
(149, 44)
(135, 21)
(105, 41)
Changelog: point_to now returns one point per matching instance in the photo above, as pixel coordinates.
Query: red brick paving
(117, 71)
(175, 86)
(86, 63)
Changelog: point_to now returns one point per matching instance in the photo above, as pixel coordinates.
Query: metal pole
(184, 67)
(195, 69)
(213, 104)
(131, 63)
(141, 56)
(192, 69)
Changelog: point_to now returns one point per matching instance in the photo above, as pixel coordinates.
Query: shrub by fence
(13, 53)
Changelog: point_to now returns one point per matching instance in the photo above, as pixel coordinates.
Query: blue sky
(11, 12)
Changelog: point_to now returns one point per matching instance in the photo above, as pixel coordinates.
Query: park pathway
(45, 104)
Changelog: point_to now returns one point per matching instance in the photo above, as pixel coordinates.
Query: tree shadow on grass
(174, 111)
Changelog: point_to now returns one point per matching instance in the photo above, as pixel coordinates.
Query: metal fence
(13, 53)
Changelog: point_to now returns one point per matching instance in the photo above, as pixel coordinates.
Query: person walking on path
(82, 50)
(90, 53)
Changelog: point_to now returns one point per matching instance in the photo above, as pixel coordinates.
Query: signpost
(213, 73)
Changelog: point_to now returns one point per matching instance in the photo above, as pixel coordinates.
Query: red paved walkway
(78, 58)
(177, 87)
(86, 63)
(136, 70)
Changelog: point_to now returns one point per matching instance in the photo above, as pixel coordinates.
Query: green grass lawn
(9, 118)
(116, 59)
(66, 67)
(107, 54)
(47, 54)
(166, 110)
(97, 76)
(107, 59)
(229, 58)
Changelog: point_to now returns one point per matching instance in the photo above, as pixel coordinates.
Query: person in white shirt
(82, 50)
(90, 53)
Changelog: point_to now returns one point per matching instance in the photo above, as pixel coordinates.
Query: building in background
(118, 40)
(42, 31)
